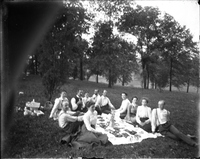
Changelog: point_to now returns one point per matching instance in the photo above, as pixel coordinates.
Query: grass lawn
(38, 137)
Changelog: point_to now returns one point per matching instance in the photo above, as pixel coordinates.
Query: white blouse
(143, 112)
(90, 118)
(124, 106)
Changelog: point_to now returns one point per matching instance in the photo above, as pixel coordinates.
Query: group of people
(79, 117)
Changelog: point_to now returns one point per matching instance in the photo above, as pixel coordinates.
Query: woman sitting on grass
(89, 136)
(132, 110)
(66, 117)
(143, 115)
(57, 105)
(124, 106)
(161, 123)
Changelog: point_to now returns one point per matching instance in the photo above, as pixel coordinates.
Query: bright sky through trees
(185, 12)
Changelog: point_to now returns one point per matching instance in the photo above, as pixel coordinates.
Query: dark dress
(81, 137)
(89, 139)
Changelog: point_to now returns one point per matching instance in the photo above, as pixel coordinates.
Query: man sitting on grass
(162, 124)
(103, 104)
(96, 96)
(57, 105)
(77, 103)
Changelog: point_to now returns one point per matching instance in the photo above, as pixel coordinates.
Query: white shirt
(124, 105)
(85, 100)
(64, 119)
(143, 112)
(102, 101)
(96, 98)
(159, 117)
(90, 118)
(57, 105)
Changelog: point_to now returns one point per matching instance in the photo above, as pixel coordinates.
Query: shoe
(192, 137)
(195, 145)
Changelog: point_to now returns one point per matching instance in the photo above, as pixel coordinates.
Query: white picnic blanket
(121, 132)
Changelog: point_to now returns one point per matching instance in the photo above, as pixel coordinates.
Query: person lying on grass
(103, 104)
(89, 136)
(143, 115)
(124, 106)
(57, 105)
(161, 123)
(132, 110)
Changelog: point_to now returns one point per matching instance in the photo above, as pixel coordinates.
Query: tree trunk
(155, 85)
(109, 79)
(198, 86)
(147, 79)
(144, 75)
(81, 69)
(152, 84)
(122, 80)
(97, 77)
(188, 85)
(36, 65)
(170, 76)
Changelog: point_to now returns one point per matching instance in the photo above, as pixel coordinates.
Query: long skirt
(89, 139)
(123, 115)
(146, 127)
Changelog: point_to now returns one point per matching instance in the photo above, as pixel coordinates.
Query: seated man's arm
(153, 120)
(128, 112)
(54, 109)
(124, 108)
(98, 102)
(110, 104)
(73, 103)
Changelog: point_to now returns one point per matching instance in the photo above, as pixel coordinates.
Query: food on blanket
(116, 129)
(131, 132)
(103, 125)
(136, 136)
(125, 135)
(110, 131)
(117, 135)
(101, 119)
(128, 121)
(116, 124)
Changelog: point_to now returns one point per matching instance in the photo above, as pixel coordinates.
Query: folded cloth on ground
(33, 104)
(38, 112)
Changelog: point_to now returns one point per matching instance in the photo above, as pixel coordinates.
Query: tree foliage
(164, 49)
(60, 46)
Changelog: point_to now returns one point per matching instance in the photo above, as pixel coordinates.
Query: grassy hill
(38, 137)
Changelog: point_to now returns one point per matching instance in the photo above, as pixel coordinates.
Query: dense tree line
(164, 52)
